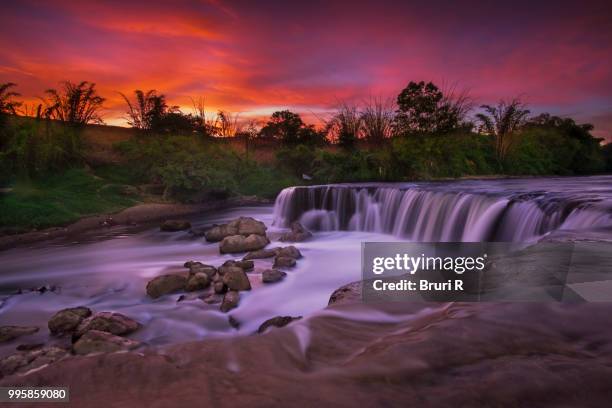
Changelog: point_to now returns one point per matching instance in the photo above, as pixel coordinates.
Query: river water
(108, 270)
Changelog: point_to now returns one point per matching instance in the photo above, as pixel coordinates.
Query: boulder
(95, 341)
(260, 254)
(235, 278)
(28, 360)
(288, 251)
(278, 321)
(175, 225)
(350, 293)
(272, 275)
(164, 284)
(67, 320)
(209, 270)
(239, 243)
(244, 226)
(284, 262)
(244, 264)
(212, 299)
(219, 287)
(114, 323)
(297, 233)
(197, 281)
(230, 301)
(8, 333)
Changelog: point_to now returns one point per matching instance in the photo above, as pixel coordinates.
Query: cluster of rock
(89, 333)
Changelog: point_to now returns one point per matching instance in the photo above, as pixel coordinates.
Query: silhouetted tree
(77, 104)
(502, 121)
(146, 109)
(8, 106)
(345, 126)
(424, 108)
(377, 120)
(284, 126)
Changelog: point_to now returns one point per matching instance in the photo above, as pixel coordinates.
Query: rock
(95, 341)
(238, 243)
(199, 267)
(244, 226)
(278, 321)
(233, 322)
(288, 251)
(197, 281)
(230, 301)
(244, 264)
(67, 320)
(28, 360)
(297, 234)
(284, 262)
(219, 287)
(189, 264)
(272, 275)
(235, 278)
(8, 333)
(212, 299)
(350, 293)
(175, 225)
(114, 323)
(164, 284)
(30, 346)
(260, 254)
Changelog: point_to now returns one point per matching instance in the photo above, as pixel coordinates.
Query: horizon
(255, 59)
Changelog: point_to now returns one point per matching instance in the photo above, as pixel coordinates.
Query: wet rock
(219, 287)
(260, 254)
(197, 281)
(288, 251)
(28, 360)
(284, 262)
(175, 225)
(212, 299)
(278, 321)
(114, 323)
(67, 320)
(199, 267)
(8, 333)
(297, 234)
(244, 226)
(233, 322)
(272, 275)
(247, 265)
(230, 301)
(350, 293)
(240, 243)
(95, 341)
(30, 346)
(235, 278)
(164, 284)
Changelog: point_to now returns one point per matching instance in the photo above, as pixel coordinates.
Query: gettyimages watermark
(479, 271)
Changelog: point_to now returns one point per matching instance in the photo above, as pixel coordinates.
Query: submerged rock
(239, 243)
(260, 254)
(175, 225)
(272, 275)
(278, 321)
(230, 301)
(114, 323)
(165, 284)
(28, 360)
(67, 320)
(95, 341)
(297, 234)
(235, 278)
(8, 333)
(197, 281)
(284, 262)
(244, 226)
(212, 299)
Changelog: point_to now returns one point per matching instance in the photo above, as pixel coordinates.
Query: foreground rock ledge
(462, 355)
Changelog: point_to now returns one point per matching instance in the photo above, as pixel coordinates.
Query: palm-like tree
(503, 121)
(377, 120)
(145, 109)
(77, 104)
(8, 106)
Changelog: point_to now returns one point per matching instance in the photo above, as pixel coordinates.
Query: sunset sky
(255, 57)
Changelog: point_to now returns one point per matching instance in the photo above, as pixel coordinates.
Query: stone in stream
(230, 301)
(114, 323)
(219, 287)
(244, 226)
(239, 243)
(199, 267)
(297, 234)
(8, 333)
(175, 225)
(67, 320)
(247, 265)
(272, 275)
(212, 299)
(28, 360)
(284, 262)
(235, 278)
(350, 293)
(197, 281)
(260, 254)
(95, 341)
(165, 284)
(278, 321)
(289, 252)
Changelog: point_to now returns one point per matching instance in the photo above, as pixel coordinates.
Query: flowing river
(108, 270)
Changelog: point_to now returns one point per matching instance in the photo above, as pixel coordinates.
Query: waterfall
(438, 214)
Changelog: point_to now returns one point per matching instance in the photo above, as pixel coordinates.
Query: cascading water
(499, 210)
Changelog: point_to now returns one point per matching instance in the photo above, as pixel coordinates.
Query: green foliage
(296, 160)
